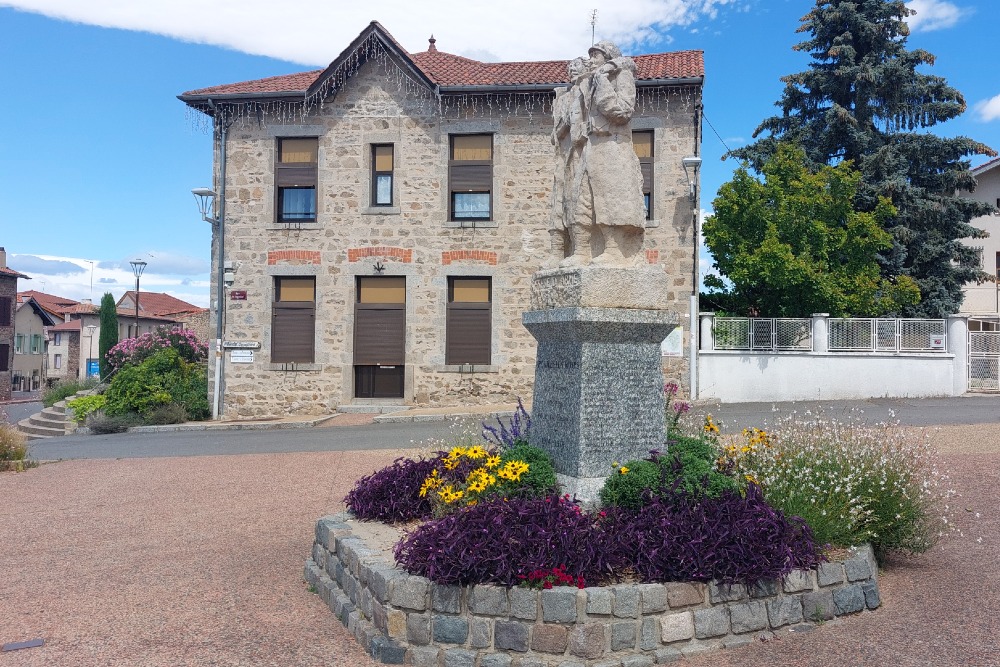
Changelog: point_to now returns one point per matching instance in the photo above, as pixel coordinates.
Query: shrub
(85, 405)
(104, 424)
(162, 378)
(391, 494)
(13, 444)
(497, 540)
(133, 351)
(851, 482)
(62, 389)
(171, 413)
(538, 481)
(735, 539)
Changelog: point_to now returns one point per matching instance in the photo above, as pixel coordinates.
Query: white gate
(984, 361)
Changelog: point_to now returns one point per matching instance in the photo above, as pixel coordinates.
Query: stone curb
(404, 418)
(230, 426)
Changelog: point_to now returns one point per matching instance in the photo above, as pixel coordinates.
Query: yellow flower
(623, 470)
(513, 470)
(475, 452)
(450, 463)
(457, 452)
(449, 495)
(492, 461)
(750, 479)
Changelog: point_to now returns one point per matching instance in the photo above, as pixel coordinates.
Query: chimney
(3, 258)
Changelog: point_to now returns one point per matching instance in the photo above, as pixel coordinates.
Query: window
(382, 167)
(4, 357)
(470, 177)
(380, 337)
(19, 344)
(36, 343)
(293, 320)
(6, 308)
(468, 327)
(57, 361)
(643, 144)
(57, 340)
(998, 266)
(295, 179)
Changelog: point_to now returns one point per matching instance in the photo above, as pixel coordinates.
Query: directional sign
(241, 345)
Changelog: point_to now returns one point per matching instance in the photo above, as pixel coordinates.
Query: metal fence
(984, 360)
(762, 334)
(887, 335)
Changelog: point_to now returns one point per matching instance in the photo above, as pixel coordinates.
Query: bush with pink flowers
(133, 351)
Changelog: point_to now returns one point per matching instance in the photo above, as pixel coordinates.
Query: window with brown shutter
(293, 320)
(6, 306)
(643, 144)
(470, 177)
(468, 329)
(380, 337)
(4, 356)
(295, 179)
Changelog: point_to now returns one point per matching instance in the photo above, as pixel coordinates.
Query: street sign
(238, 295)
(240, 345)
(241, 356)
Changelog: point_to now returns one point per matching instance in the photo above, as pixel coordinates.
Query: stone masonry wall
(405, 619)
(415, 239)
(8, 288)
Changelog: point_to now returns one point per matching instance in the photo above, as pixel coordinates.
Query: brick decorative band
(404, 619)
(404, 255)
(488, 256)
(293, 256)
(652, 256)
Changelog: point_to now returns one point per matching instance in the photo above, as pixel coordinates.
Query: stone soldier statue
(568, 137)
(602, 203)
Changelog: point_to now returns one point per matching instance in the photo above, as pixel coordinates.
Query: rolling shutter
(468, 334)
(6, 305)
(380, 335)
(293, 327)
(4, 356)
(465, 177)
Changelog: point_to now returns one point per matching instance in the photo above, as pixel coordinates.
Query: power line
(721, 140)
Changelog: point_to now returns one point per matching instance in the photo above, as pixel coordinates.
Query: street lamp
(138, 266)
(91, 328)
(206, 199)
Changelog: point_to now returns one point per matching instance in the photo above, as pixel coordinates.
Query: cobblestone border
(404, 619)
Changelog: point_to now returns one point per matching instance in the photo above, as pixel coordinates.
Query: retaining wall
(405, 619)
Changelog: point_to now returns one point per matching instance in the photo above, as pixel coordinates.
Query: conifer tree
(862, 99)
(109, 331)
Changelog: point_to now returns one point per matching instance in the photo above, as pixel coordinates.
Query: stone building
(8, 307)
(982, 300)
(381, 220)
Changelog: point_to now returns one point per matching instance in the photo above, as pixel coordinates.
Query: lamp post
(206, 199)
(692, 164)
(138, 266)
(91, 328)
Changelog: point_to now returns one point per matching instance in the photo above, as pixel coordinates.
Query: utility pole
(593, 26)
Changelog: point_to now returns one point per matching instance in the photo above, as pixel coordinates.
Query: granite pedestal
(598, 394)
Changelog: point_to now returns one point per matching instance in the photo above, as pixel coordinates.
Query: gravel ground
(198, 561)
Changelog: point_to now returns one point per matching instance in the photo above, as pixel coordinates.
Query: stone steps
(51, 422)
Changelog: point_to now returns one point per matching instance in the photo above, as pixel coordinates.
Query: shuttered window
(293, 320)
(643, 144)
(468, 330)
(382, 172)
(4, 356)
(295, 179)
(6, 306)
(380, 321)
(470, 177)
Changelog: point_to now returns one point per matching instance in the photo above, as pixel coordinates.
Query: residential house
(382, 219)
(163, 306)
(982, 301)
(31, 323)
(8, 301)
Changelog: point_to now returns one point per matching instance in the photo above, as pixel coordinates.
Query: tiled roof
(72, 325)
(4, 271)
(986, 166)
(444, 69)
(158, 303)
(54, 304)
(81, 309)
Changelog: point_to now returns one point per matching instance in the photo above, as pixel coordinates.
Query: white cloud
(988, 109)
(557, 29)
(933, 15)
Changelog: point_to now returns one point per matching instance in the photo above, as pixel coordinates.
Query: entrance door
(379, 337)
(984, 356)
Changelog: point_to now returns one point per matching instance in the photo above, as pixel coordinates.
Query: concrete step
(59, 407)
(54, 415)
(371, 409)
(40, 419)
(25, 426)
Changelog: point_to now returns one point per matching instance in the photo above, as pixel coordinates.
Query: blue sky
(98, 157)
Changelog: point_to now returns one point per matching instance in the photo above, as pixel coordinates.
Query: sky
(98, 157)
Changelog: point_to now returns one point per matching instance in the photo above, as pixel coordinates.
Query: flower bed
(401, 618)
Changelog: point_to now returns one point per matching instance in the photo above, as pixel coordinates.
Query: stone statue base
(643, 287)
(598, 394)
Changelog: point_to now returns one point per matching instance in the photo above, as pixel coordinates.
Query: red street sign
(238, 295)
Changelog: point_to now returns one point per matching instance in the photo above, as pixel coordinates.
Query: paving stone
(765, 588)
(828, 574)
(748, 617)
(623, 635)
(450, 629)
(638, 661)
(676, 627)
(510, 635)
(446, 598)
(654, 598)
(549, 638)
(858, 567)
(564, 663)
(784, 611)
(817, 606)
(726, 592)
(524, 603)
(872, 598)
(797, 581)
(649, 634)
(667, 655)
(495, 660)
(736, 642)
(418, 629)
(480, 633)
(535, 662)
(711, 622)
(559, 605)
(379, 581)
(387, 651)
(849, 599)
(608, 663)
(685, 595)
(587, 641)
(459, 657)
(599, 601)
(626, 603)
(488, 600)
(424, 656)
(409, 592)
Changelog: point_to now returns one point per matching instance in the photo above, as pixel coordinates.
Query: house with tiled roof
(8, 306)
(163, 306)
(31, 323)
(982, 300)
(378, 222)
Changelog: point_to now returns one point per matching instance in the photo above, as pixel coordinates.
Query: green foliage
(101, 423)
(862, 100)
(13, 444)
(109, 331)
(540, 480)
(171, 413)
(793, 245)
(162, 378)
(82, 406)
(61, 390)
(688, 467)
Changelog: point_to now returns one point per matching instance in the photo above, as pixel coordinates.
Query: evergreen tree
(862, 99)
(109, 331)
